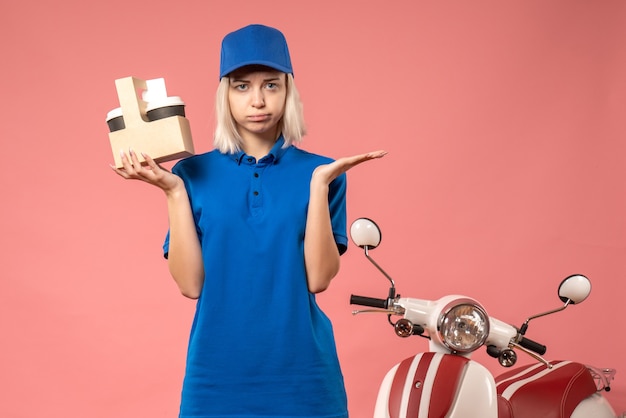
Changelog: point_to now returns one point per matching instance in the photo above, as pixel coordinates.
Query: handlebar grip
(366, 301)
(533, 346)
(493, 351)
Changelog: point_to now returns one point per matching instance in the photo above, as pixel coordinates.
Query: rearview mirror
(574, 288)
(365, 233)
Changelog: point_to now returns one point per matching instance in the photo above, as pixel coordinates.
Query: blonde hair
(227, 139)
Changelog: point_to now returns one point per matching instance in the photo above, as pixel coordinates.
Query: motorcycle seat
(538, 391)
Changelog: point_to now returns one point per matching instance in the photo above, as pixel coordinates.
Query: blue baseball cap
(255, 44)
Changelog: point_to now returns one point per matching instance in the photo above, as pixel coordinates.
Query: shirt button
(255, 193)
(250, 159)
(256, 174)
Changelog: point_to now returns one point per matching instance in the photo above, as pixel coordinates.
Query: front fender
(437, 385)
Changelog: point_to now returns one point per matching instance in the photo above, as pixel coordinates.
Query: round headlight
(463, 326)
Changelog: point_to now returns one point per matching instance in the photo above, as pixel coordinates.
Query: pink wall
(505, 127)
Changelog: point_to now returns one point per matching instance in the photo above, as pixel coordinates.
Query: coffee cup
(165, 108)
(115, 120)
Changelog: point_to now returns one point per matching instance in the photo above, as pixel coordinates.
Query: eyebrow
(238, 80)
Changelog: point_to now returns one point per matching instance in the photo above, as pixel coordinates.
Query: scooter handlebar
(533, 346)
(367, 301)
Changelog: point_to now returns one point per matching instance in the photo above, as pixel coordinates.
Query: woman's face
(257, 101)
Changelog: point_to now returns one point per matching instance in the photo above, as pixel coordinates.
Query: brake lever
(385, 311)
(531, 353)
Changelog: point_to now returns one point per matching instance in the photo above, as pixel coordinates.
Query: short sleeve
(166, 243)
(337, 207)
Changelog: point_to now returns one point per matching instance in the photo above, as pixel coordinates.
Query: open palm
(328, 172)
(150, 173)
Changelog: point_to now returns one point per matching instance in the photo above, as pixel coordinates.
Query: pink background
(505, 127)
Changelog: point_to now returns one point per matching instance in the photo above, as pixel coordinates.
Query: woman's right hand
(150, 173)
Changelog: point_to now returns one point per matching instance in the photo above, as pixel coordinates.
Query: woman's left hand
(328, 172)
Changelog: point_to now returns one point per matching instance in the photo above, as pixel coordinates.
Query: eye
(240, 87)
(271, 86)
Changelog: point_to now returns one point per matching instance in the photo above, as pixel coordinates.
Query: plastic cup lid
(165, 102)
(117, 112)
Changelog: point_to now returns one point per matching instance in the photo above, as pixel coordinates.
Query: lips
(259, 118)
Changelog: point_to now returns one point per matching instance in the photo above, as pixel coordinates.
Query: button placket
(256, 188)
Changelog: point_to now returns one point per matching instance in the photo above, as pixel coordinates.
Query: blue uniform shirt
(260, 346)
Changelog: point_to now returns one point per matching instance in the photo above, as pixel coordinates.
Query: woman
(256, 229)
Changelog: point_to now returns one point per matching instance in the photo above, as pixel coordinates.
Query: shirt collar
(274, 155)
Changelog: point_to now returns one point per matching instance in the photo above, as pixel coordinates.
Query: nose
(258, 99)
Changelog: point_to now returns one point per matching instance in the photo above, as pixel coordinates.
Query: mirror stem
(525, 325)
(392, 290)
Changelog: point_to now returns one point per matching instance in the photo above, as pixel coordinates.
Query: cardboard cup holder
(149, 122)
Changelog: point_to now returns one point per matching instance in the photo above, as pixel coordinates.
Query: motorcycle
(446, 382)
